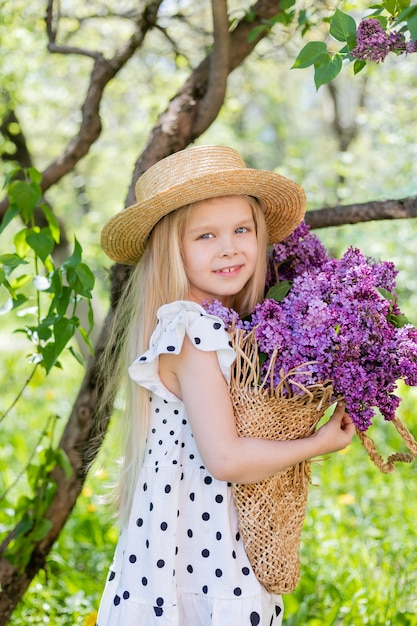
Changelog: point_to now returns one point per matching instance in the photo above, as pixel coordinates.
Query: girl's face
(220, 248)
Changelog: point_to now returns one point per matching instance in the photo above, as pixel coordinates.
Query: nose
(227, 248)
(228, 251)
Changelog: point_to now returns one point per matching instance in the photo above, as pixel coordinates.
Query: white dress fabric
(180, 560)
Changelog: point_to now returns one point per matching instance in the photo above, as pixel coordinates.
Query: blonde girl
(198, 231)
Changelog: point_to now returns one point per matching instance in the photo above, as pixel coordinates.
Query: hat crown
(185, 166)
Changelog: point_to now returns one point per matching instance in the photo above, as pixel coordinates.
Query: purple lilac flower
(411, 47)
(372, 42)
(397, 42)
(300, 252)
(229, 317)
(336, 319)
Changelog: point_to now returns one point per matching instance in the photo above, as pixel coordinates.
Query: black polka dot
(255, 619)
(197, 340)
(217, 325)
(233, 554)
(139, 521)
(219, 499)
(237, 536)
(208, 480)
(158, 611)
(142, 358)
(126, 595)
(144, 581)
(205, 589)
(277, 610)
(219, 573)
(145, 487)
(190, 533)
(237, 591)
(112, 575)
(159, 602)
(160, 563)
(151, 506)
(192, 496)
(132, 558)
(176, 411)
(190, 569)
(206, 516)
(164, 526)
(218, 535)
(167, 488)
(245, 571)
(205, 553)
(147, 543)
(116, 600)
(171, 348)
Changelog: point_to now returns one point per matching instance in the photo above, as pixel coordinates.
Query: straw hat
(192, 175)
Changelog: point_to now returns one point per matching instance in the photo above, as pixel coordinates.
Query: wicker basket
(271, 513)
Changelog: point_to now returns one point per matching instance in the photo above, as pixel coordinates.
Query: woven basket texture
(271, 512)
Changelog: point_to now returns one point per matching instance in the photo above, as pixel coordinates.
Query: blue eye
(241, 229)
(206, 236)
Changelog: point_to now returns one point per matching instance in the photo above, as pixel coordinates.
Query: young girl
(198, 232)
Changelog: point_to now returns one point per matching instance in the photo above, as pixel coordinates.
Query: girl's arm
(195, 376)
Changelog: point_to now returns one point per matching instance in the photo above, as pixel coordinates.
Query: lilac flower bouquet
(327, 319)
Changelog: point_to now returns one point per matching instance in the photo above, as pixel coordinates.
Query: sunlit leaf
(312, 52)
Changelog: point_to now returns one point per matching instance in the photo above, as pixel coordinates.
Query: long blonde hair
(158, 278)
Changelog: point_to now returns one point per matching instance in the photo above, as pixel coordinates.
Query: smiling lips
(233, 269)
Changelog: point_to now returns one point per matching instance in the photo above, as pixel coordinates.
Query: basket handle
(397, 457)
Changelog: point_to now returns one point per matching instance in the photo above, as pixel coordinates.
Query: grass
(358, 563)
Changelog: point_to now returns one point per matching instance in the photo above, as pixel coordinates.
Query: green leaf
(33, 473)
(10, 214)
(258, 30)
(386, 294)
(40, 530)
(407, 15)
(64, 462)
(11, 261)
(26, 196)
(358, 66)
(325, 72)
(284, 5)
(279, 291)
(52, 222)
(86, 338)
(64, 330)
(312, 52)
(14, 172)
(42, 242)
(81, 279)
(20, 242)
(390, 6)
(343, 27)
(398, 321)
(34, 175)
(75, 257)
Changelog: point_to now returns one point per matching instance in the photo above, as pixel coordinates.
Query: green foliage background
(358, 564)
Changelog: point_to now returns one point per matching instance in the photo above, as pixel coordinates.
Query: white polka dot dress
(180, 560)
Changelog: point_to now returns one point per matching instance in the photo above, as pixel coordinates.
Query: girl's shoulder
(176, 321)
(183, 317)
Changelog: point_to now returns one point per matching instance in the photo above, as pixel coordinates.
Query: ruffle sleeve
(175, 320)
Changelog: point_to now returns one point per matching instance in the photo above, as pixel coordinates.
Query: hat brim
(124, 236)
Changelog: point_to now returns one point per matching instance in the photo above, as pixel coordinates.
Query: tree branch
(363, 212)
(213, 98)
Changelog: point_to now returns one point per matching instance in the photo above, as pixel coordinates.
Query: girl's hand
(337, 433)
